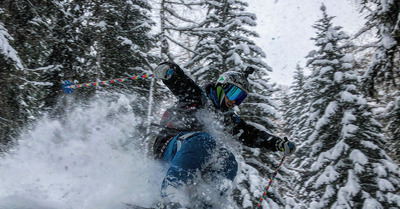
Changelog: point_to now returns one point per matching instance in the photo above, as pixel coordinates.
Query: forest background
(342, 107)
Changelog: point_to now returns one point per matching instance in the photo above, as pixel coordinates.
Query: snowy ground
(88, 160)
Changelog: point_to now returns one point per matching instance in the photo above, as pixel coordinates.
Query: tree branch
(181, 45)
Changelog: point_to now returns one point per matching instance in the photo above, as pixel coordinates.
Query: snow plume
(89, 159)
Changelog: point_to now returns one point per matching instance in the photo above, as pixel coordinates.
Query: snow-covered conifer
(225, 41)
(384, 68)
(296, 118)
(347, 166)
(382, 76)
(297, 111)
(394, 127)
(24, 47)
(11, 68)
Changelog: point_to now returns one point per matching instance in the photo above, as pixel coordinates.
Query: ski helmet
(238, 79)
(231, 80)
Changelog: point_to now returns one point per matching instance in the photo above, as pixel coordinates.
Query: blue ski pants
(189, 153)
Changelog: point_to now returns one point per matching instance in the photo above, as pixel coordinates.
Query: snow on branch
(6, 49)
(330, 110)
(181, 45)
(184, 3)
(174, 14)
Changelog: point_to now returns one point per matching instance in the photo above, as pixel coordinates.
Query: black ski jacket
(185, 116)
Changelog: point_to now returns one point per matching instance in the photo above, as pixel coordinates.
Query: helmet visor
(234, 93)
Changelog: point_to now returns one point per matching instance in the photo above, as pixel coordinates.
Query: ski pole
(69, 87)
(270, 182)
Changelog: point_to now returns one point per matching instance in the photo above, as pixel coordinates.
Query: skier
(183, 143)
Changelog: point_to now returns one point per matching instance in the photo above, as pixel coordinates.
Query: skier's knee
(206, 139)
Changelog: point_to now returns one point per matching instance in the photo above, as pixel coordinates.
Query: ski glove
(163, 71)
(287, 147)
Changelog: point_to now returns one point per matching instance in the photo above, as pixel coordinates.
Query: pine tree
(284, 108)
(10, 70)
(297, 125)
(297, 112)
(347, 166)
(82, 41)
(27, 28)
(382, 76)
(66, 60)
(394, 128)
(224, 41)
(384, 68)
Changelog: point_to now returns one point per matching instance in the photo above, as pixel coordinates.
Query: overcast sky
(285, 29)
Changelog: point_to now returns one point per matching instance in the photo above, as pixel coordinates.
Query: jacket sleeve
(254, 137)
(184, 88)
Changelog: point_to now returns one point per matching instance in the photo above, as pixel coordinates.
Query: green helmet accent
(220, 94)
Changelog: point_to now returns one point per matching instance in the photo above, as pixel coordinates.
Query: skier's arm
(254, 137)
(183, 87)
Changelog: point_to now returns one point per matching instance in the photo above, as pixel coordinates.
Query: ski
(132, 206)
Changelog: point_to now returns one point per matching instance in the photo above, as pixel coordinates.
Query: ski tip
(66, 88)
(132, 206)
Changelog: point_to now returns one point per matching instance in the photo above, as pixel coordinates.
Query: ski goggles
(234, 93)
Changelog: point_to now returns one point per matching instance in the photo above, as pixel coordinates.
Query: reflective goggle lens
(235, 93)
